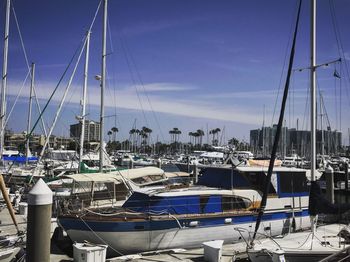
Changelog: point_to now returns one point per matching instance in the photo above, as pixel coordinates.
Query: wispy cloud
(200, 108)
(166, 87)
(154, 26)
(244, 108)
(255, 94)
(347, 55)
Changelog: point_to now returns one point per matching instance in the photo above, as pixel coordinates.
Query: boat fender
(193, 223)
(228, 220)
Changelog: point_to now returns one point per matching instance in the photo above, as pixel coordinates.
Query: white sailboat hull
(300, 247)
(189, 237)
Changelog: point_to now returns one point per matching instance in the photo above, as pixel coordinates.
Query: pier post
(346, 170)
(195, 173)
(39, 223)
(329, 183)
(159, 163)
(188, 164)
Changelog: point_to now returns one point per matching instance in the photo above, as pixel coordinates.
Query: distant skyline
(193, 64)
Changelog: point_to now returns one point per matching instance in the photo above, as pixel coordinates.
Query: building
(91, 132)
(294, 141)
(36, 142)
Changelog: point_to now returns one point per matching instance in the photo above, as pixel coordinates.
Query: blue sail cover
(190, 204)
(20, 159)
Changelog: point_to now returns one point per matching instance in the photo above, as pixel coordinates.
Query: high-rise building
(91, 132)
(294, 141)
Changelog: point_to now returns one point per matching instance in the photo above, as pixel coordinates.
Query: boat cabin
(187, 201)
(285, 182)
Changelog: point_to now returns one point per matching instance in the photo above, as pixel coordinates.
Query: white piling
(39, 222)
(329, 183)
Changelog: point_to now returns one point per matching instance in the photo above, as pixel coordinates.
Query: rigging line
(27, 63)
(144, 90)
(133, 79)
(99, 236)
(283, 68)
(62, 100)
(340, 98)
(279, 129)
(335, 101)
(54, 91)
(65, 71)
(339, 44)
(110, 35)
(306, 109)
(15, 102)
(96, 13)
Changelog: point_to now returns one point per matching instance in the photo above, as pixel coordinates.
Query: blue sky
(186, 64)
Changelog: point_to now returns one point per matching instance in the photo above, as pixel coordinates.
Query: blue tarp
(19, 159)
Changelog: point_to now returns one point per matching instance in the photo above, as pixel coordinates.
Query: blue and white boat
(186, 217)
(11, 154)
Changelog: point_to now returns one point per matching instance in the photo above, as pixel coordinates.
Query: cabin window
(292, 183)
(156, 177)
(257, 180)
(234, 203)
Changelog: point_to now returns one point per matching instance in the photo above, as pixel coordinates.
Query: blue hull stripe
(127, 226)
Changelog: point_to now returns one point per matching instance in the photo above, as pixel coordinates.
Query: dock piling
(39, 223)
(329, 183)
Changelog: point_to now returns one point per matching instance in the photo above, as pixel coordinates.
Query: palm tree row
(197, 137)
(175, 136)
(139, 137)
(114, 130)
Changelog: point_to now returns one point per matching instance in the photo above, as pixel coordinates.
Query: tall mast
(86, 67)
(313, 89)
(103, 81)
(30, 111)
(263, 134)
(4, 80)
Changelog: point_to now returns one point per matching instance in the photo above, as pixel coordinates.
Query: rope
(15, 102)
(100, 237)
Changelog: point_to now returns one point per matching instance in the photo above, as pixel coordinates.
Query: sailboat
(225, 201)
(319, 242)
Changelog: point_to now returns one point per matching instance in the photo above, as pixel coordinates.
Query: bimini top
(117, 176)
(97, 177)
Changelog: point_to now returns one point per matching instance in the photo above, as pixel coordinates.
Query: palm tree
(211, 132)
(171, 132)
(132, 133)
(147, 131)
(137, 132)
(190, 134)
(109, 133)
(115, 130)
(200, 135)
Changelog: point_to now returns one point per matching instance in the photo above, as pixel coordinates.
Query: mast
(4, 80)
(103, 81)
(30, 111)
(86, 67)
(263, 134)
(313, 99)
(313, 88)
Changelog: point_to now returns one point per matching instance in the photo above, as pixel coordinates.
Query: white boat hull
(189, 237)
